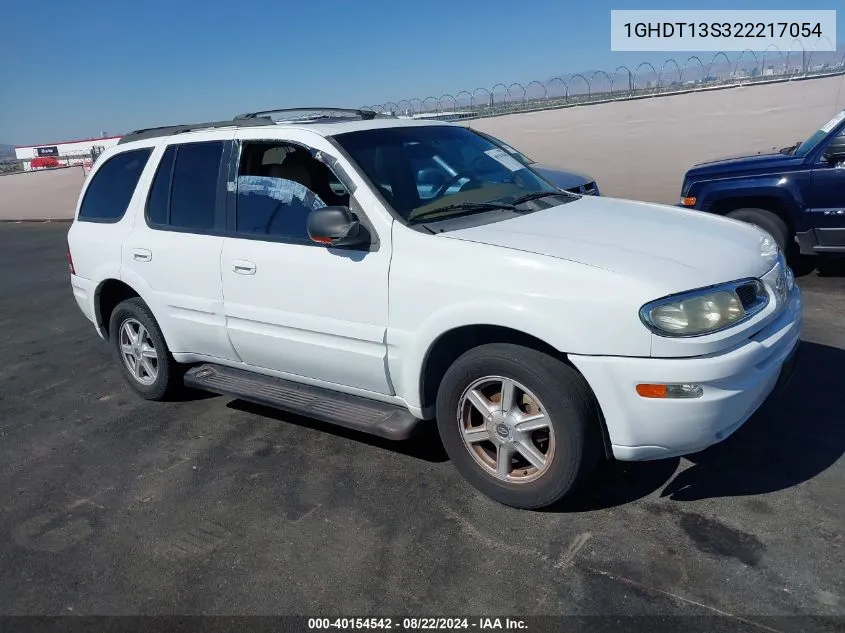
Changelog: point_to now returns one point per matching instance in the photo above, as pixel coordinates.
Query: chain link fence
(644, 80)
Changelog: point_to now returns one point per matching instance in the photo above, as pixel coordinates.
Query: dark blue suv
(797, 194)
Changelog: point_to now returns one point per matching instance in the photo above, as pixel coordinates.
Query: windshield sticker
(827, 127)
(505, 159)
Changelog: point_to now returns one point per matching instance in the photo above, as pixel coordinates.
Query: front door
(292, 305)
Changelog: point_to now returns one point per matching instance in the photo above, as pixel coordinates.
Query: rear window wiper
(462, 206)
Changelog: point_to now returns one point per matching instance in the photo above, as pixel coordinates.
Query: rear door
(104, 218)
(827, 200)
(105, 215)
(175, 250)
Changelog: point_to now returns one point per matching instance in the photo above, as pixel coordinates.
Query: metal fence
(645, 80)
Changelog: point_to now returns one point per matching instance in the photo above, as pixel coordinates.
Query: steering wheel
(445, 186)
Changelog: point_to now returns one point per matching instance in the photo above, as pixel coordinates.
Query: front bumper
(735, 383)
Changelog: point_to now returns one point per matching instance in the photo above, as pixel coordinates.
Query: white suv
(378, 273)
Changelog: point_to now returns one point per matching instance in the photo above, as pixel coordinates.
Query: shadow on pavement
(793, 438)
(827, 266)
(617, 484)
(832, 268)
(188, 394)
(424, 445)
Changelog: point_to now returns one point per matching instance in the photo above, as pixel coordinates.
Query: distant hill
(7, 150)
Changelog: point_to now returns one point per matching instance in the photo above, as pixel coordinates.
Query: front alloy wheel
(505, 429)
(521, 426)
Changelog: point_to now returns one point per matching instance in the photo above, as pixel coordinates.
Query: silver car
(568, 180)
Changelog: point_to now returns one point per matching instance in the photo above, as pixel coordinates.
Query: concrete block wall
(641, 149)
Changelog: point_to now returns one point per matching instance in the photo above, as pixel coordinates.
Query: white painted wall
(71, 147)
(635, 149)
(641, 149)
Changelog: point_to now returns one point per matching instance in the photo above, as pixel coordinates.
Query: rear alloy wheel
(139, 353)
(140, 348)
(521, 426)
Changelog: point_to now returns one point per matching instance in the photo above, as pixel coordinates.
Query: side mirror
(335, 226)
(835, 151)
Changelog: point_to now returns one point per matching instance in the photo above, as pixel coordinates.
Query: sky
(77, 69)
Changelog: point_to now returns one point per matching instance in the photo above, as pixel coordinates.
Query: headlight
(705, 311)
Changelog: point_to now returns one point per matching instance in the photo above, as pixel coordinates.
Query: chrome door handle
(142, 255)
(243, 267)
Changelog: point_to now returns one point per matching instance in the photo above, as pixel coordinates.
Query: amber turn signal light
(648, 390)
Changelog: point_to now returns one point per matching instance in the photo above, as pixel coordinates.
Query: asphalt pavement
(114, 505)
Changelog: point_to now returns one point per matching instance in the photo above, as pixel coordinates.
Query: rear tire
(134, 334)
(769, 222)
(524, 465)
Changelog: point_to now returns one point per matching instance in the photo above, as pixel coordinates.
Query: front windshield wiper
(462, 206)
(536, 196)
(791, 149)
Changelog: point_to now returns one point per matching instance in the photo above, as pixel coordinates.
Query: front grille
(590, 189)
(747, 294)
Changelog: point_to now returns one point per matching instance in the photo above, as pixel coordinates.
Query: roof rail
(169, 130)
(363, 114)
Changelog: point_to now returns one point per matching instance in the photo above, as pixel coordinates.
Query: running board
(353, 412)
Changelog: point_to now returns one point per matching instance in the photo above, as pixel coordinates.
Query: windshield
(820, 134)
(434, 171)
(522, 158)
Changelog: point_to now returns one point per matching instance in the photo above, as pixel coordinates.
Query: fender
(784, 187)
(408, 351)
(137, 283)
(102, 273)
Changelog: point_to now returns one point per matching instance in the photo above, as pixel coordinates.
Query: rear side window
(184, 191)
(159, 198)
(113, 184)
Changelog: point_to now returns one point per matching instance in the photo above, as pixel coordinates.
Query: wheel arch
(450, 344)
(780, 193)
(109, 293)
(112, 291)
(771, 203)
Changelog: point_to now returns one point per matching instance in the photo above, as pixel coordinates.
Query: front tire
(141, 351)
(521, 426)
(769, 222)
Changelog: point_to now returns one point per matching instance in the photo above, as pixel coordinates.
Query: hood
(676, 249)
(565, 179)
(746, 164)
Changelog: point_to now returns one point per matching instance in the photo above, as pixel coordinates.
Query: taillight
(70, 263)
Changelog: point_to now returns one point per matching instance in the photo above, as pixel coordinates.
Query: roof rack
(324, 113)
(169, 130)
(252, 119)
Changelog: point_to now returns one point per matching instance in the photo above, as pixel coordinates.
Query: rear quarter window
(107, 196)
